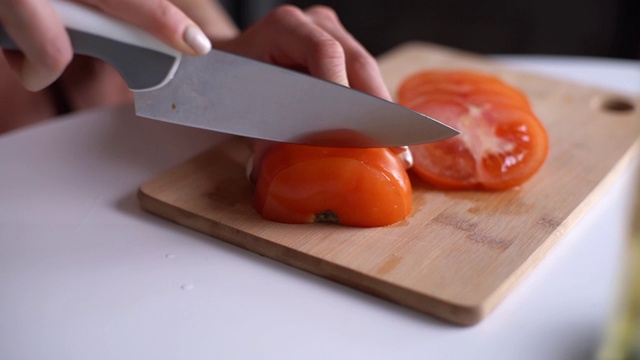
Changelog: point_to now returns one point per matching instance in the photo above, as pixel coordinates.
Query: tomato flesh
(354, 187)
(501, 143)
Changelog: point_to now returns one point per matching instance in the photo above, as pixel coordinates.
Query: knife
(233, 94)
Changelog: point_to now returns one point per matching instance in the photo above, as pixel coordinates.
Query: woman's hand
(46, 50)
(313, 41)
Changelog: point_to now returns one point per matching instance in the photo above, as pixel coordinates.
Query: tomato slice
(475, 88)
(354, 187)
(501, 143)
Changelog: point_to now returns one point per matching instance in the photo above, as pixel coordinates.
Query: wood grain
(461, 252)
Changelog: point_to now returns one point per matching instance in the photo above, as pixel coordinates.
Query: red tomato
(501, 143)
(355, 187)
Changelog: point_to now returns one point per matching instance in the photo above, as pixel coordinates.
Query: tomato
(475, 87)
(363, 187)
(501, 144)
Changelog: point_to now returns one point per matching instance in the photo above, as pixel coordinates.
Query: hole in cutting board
(614, 104)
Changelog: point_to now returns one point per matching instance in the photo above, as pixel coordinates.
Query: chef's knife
(232, 94)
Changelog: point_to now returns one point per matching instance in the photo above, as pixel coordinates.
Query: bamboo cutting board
(461, 252)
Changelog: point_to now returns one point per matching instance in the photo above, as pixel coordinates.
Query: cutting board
(460, 252)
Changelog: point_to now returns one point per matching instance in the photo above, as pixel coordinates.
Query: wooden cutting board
(461, 252)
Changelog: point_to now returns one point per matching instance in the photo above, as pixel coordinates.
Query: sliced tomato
(501, 143)
(354, 187)
(473, 87)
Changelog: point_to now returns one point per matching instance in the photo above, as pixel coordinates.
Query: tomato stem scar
(329, 216)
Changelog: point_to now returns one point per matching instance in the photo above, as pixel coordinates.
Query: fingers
(295, 41)
(211, 16)
(45, 47)
(160, 18)
(362, 69)
(313, 41)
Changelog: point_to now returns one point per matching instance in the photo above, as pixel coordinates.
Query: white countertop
(86, 274)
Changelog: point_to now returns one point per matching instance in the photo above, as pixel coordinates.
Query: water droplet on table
(187, 287)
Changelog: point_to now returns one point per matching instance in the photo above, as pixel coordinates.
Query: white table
(86, 274)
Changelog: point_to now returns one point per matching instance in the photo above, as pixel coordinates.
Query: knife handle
(144, 62)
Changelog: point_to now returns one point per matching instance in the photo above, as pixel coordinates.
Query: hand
(313, 41)
(46, 50)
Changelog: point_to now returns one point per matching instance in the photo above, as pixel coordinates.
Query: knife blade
(233, 94)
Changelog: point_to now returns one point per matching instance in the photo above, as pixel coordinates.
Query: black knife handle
(143, 62)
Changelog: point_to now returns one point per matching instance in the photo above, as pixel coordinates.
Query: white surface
(86, 274)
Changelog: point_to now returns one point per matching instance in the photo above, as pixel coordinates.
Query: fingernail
(197, 40)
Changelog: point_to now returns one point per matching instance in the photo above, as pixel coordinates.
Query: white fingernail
(197, 40)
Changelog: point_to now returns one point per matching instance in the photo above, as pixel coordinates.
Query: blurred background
(607, 28)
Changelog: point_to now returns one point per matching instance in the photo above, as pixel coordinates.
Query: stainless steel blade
(232, 94)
